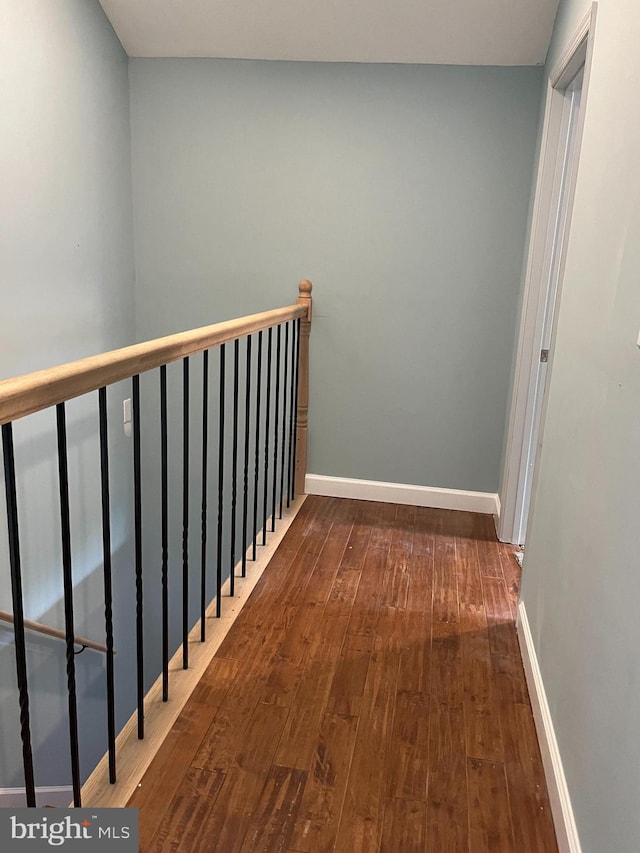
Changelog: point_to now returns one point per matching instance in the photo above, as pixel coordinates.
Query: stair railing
(278, 454)
(39, 628)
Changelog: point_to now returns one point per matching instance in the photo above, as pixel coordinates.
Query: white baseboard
(563, 818)
(496, 517)
(15, 798)
(401, 493)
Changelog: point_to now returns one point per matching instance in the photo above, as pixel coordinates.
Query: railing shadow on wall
(237, 468)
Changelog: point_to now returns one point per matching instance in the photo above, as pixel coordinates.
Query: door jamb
(511, 521)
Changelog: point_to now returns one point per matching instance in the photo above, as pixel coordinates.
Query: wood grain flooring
(369, 697)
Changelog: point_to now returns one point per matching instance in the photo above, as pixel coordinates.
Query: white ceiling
(450, 32)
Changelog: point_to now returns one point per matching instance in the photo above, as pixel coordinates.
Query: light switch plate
(126, 416)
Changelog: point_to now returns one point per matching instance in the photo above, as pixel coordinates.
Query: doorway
(553, 201)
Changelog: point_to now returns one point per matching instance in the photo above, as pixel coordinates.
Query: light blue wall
(401, 191)
(65, 213)
(580, 580)
(66, 282)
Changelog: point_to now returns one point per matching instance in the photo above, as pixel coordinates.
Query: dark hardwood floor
(369, 697)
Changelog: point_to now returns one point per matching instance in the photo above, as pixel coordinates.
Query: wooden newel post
(304, 298)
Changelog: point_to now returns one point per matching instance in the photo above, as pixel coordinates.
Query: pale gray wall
(581, 582)
(401, 191)
(66, 282)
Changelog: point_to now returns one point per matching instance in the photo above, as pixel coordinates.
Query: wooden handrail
(5, 616)
(33, 392)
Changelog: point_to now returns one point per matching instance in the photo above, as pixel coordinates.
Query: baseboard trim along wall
(563, 818)
(58, 796)
(401, 493)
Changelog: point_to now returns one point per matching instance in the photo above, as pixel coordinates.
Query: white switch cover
(126, 416)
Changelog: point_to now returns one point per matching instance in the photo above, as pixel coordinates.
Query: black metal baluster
(247, 418)
(275, 432)
(164, 453)
(295, 415)
(108, 588)
(69, 630)
(284, 414)
(257, 447)
(266, 438)
(185, 513)
(137, 502)
(291, 409)
(203, 512)
(234, 473)
(18, 610)
(220, 481)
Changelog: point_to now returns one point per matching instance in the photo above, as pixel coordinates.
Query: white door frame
(526, 406)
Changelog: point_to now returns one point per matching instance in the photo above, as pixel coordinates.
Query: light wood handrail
(5, 616)
(33, 392)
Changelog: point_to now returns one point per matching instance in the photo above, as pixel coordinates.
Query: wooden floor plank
(347, 687)
(395, 580)
(230, 815)
(465, 526)
(447, 673)
(364, 615)
(408, 749)
(358, 542)
(447, 676)
(445, 584)
(344, 590)
(489, 812)
(328, 638)
(242, 726)
(184, 824)
(511, 571)
(502, 631)
(369, 594)
(404, 826)
(510, 680)
(294, 582)
(414, 674)
(447, 804)
(317, 824)
(481, 711)
(361, 821)
(248, 761)
(469, 584)
(257, 637)
(326, 566)
(274, 818)
(488, 549)
(284, 672)
(300, 734)
(391, 622)
(529, 802)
